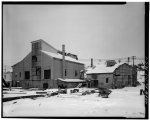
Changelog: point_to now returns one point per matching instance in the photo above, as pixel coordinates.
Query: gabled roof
(103, 69)
(59, 56)
(51, 54)
(28, 55)
(41, 40)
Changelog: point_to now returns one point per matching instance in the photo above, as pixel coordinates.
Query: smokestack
(63, 61)
(91, 62)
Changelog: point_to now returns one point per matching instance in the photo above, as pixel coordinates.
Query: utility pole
(133, 57)
(91, 62)
(119, 60)
(63, 62)
(128, 60)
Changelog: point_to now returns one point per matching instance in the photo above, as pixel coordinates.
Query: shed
(112, 77)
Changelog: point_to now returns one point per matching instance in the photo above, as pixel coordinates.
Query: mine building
(42, 67)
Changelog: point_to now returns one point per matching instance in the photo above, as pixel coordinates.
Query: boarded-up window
(65, 72)
(38, 71)
(20, 74)
(35, 45)
(76, 73)
(16, 75)
(47, 74)
(107, 80)
(34, 59)
(27, 74)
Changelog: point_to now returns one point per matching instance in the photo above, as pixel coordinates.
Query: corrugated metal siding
(124, 75)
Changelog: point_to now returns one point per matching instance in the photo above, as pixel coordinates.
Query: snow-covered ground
(126, 102)
(20, 92)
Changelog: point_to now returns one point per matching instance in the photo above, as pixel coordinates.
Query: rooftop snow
(102, 68)
(71, 80)
(59, 56)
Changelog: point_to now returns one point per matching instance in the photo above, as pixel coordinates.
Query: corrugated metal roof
(103, 69)
(59, 56)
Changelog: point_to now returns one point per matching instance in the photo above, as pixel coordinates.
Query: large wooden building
(116, 76)
(44, 65)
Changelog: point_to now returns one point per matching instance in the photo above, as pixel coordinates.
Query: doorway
(45, 85)
(95, 83)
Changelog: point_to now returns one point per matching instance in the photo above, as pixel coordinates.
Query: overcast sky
(90, 31)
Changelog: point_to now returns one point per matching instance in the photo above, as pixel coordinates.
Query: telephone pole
(128, 60)
(133, 57)
(91, 62)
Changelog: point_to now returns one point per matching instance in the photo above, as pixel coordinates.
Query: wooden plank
(20, 97)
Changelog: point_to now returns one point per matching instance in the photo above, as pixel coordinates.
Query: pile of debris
(103, 92)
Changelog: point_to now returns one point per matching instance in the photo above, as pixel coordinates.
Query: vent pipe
(63, 61)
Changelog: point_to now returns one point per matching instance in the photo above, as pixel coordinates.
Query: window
(38, 71)
(94, 76)
(27, 74)
(65, 72)
(76, 73)
(107, 80)
(16, 75)
(47, 74)
(45, 85)
(20, 74)
(35, 45)
(34, 58)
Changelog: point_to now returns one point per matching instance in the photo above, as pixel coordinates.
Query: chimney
(91, 62)
(63, 61)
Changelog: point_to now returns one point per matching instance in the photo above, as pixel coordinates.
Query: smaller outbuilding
(8, 78)
(117, 76)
